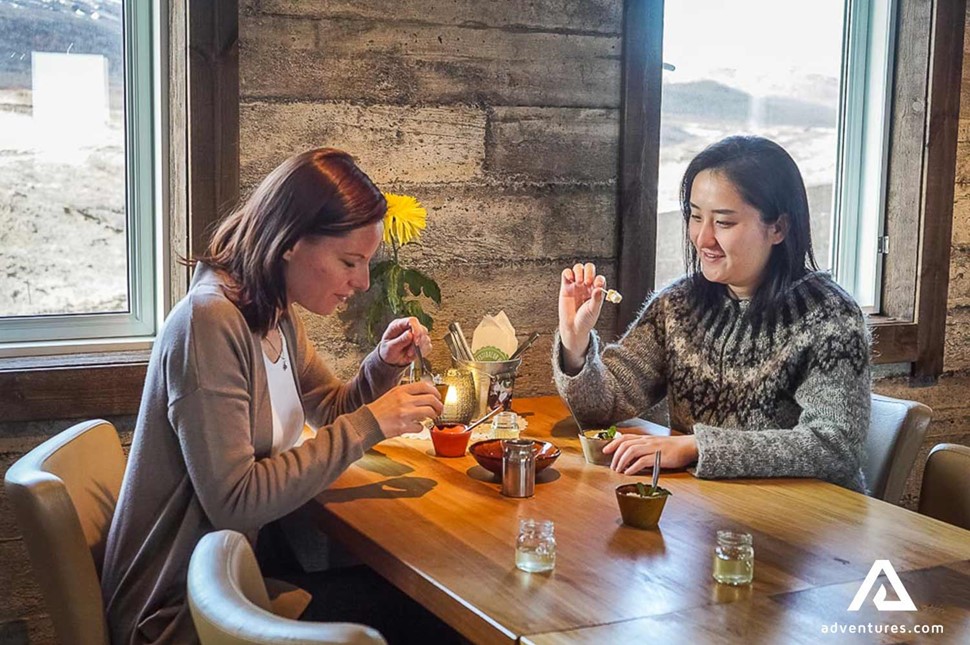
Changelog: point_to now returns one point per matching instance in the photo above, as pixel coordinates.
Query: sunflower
(405, 219)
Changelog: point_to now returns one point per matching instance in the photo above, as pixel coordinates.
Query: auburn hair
(320, 192)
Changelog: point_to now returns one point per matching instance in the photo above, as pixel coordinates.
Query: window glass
(63, 217)
(749, 67)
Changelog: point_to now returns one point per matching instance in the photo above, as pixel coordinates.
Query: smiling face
(732, 242)
(322, 272)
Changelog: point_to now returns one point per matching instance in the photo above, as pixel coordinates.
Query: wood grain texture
(639, 153)
(945, 75)
(941, 595)
(401, 144)
(587, 16)
(425, 64)
(552, 144)
(441, 531)
(213, 120)
(71, 392)
(905, 167)
(894, 342)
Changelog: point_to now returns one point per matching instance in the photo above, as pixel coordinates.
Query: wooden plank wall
(502, 118)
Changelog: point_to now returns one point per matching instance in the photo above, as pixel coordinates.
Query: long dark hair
(768, 179)
(314, 193)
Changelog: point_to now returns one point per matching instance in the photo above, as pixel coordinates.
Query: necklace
(278, 351)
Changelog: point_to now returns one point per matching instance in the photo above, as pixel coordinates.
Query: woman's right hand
(403, 408)
(581, 295)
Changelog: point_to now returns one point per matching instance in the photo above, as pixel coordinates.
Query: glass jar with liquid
(733, 558)
(535, 548)
(505, 425)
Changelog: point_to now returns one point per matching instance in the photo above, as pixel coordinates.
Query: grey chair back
(896, 431)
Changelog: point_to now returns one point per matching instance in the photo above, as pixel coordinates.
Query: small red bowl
(488, 454)
(450, 440)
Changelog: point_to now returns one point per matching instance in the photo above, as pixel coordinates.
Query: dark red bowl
(488, 454)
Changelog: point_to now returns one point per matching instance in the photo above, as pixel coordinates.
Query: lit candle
(451, 401)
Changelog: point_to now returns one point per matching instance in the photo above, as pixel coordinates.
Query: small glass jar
(505, 425)
(535, 548)
(733, 558)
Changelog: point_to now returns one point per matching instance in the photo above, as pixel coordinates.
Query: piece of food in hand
(614, 296)
(607, 434)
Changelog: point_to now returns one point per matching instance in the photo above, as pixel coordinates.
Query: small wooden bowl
(640, 512)
(488, 454)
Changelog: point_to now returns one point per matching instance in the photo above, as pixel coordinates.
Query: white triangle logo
(905, 603)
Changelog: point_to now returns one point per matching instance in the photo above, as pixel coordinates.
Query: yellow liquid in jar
(535, 560)
(733, 571)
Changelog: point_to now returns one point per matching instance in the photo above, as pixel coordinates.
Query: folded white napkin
(494, 338)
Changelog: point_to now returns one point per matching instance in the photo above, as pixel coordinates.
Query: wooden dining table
(441, 531)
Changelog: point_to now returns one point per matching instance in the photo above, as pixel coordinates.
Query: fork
(422, 367)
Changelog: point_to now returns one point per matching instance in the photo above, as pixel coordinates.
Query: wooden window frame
(926, 110)
(200, 60)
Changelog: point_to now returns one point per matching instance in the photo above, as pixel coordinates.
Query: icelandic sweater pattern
(782, 394)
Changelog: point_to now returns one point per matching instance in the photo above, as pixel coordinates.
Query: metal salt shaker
(518, 468)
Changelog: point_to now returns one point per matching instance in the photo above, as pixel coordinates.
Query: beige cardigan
(200, 459)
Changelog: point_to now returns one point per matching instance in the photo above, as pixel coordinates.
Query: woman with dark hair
(763, 360)
(233, 378)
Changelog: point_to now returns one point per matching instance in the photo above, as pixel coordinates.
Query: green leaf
(375, 314)
(378, 271)
(418, 282)
(642, 490)
(414, 308)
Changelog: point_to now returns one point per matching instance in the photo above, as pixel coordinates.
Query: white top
(288, 418)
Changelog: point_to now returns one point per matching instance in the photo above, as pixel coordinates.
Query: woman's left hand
(634, 452)
(399, 339)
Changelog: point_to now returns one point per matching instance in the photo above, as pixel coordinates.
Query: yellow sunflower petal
(405, 219)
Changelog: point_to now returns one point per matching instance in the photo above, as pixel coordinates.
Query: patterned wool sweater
(786, 394)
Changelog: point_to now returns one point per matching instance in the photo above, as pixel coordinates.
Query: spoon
(422, 368)
(524, 346)
(485, 418)
(656, 473)
(575, 418)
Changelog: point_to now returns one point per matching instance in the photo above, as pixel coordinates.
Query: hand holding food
(581, 296)
(405, 407)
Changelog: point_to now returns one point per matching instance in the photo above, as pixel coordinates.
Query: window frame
(199, 71)
(924, 115)
(864, 137)
(28, 335)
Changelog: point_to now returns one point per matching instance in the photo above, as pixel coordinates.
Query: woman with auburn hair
(763, 360)
(233, 378)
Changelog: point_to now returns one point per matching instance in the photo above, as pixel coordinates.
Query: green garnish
(642, 490)
(609, 433)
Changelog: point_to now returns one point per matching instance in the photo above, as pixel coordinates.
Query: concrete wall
(501, 117)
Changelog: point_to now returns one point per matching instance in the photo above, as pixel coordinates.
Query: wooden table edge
(452, 610)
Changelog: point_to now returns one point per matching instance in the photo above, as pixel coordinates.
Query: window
(909, 55)
(814, 77)
(77, 168)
